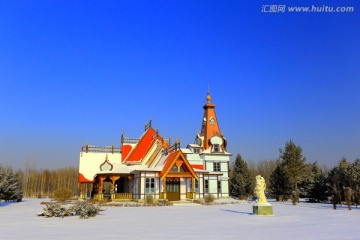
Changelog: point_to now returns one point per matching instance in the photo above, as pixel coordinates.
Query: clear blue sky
(77, 72)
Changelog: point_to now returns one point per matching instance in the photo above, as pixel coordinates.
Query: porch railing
(113, 196)
(121, 196)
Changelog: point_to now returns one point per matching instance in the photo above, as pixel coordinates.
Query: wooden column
(101, 186)
(113, 180)
(193, 187)
(81, 189)
(164, 187)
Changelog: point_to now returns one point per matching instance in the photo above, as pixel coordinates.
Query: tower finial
(208, 97)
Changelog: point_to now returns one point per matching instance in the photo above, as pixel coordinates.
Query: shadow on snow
(233, 211)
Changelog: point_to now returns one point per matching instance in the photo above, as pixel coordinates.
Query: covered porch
(113, 186)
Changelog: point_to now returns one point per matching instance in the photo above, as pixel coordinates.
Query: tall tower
(210, 137)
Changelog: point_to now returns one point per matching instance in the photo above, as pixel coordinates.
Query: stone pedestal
(262, 209)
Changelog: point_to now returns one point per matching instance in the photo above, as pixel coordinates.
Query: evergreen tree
(294, 164)
(354, 175)
(315, 186)
(355, 180)
(10, 186)
(241, 180)
(339, 179)
(2, 182)
(280, 185)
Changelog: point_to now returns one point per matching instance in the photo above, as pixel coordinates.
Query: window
(196, 186)
(217, 167)
(149, 185)
(212, 121)
(216, 148)
(197, 150)
(206, 186)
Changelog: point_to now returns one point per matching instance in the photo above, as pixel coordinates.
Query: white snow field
(187, 221)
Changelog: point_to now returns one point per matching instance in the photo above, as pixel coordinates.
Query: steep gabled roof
(125, 150)
(142, 147)
(173, 158)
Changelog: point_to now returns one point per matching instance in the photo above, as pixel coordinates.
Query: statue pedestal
(262, 209)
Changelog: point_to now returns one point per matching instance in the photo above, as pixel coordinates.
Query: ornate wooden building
(151, 165)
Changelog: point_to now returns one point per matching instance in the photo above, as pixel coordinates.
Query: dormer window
(212, 121)
(197, 150)
(216, 148)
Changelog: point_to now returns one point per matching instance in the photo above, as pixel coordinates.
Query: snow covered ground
(185, 221)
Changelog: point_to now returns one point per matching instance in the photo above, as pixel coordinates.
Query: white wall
(90, 162)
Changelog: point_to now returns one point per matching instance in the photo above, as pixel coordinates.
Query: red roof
(82, 179)
(168, 161)
(126, 149)
(198, 166)
(142, 146)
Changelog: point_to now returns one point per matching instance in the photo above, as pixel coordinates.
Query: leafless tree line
(264, 168)
(42, 183)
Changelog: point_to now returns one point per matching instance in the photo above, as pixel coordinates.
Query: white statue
(260, 189)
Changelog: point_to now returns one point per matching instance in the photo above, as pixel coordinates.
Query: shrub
(54, 210)
(282, 198)
(149, 199)
(198, 201)
(165, 202)
(62, 194)
(82, 208)
(85, 209)
(209, 198)
(242, 197)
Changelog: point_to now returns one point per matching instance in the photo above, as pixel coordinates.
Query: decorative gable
(176, 165)
(106, 165)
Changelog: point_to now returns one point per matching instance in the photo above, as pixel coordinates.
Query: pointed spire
(210, 126)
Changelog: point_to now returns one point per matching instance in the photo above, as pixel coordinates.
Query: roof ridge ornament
(208, 97)
(147, 126)
(172, 148)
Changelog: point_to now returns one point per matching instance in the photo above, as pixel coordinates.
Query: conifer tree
(339, 179)
(2, 182)
(315, 186)
(10, 186)
(355, 180)
(280, 184)
(241, 180)
(294, 164)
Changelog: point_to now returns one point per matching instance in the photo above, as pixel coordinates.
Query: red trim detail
(82, 179)
(198, 166)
